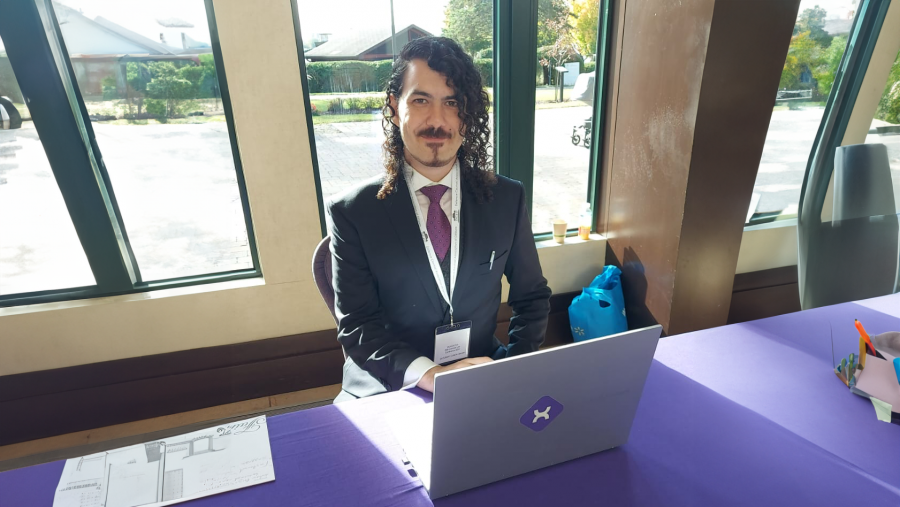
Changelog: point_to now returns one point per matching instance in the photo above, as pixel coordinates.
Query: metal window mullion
(851, 71)
(515, 65)
(27, 36)
(604, 32)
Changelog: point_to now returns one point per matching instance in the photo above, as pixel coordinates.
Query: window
(885, 127)
(39, 249)
(135, 129)
(818, 43)
(563, 118)
(148, 79)
(347, 54)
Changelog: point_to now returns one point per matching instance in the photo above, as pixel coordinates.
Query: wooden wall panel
(693, 109)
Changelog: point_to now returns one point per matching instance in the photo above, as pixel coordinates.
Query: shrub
(375, 102)
(155, 107)
(485, 67)
(589, 68)
(352, 76)
(335, 106)
(109, 88)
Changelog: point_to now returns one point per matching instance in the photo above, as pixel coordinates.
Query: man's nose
(439, 116)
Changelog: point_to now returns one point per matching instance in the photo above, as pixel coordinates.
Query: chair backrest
(321, 268)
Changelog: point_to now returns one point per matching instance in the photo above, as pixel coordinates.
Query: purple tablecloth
(748, 414)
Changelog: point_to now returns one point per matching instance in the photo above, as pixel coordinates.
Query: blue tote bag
(600, 308)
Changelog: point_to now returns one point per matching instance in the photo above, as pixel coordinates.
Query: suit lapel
(403, 218)
(471, 237)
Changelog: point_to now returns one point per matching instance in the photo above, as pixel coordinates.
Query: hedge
(354, 76)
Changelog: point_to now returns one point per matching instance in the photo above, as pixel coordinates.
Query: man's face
(428, 117)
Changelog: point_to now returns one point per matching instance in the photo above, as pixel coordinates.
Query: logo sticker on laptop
(542, 413)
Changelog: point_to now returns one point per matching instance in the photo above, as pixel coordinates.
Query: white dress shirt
(418, 368)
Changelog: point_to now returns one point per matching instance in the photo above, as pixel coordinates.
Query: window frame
(77, 162)
(514, 49)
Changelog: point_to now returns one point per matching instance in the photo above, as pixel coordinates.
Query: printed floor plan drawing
(169, 471)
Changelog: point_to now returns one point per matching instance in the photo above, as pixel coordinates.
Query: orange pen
(864, 335)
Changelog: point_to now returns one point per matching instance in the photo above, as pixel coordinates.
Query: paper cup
(559, 230)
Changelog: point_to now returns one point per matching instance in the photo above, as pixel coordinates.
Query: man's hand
(427, 380)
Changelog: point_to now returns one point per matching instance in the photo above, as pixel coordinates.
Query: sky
(833, 8)
(337, 16)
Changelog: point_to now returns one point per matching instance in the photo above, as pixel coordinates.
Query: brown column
(696, 84)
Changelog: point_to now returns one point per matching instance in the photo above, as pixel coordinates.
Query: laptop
(512, 416)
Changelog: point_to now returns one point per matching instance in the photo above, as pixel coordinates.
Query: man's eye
(452, 103)
(419, 101)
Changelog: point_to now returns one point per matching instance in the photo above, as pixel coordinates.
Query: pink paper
(879, 380)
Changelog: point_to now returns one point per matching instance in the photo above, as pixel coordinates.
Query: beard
(434, 160)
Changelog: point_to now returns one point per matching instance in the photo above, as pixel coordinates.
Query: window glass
(817, 45)
(885, 127)
(39, 249)
(347, 47)
(567, 39)
(148, 78)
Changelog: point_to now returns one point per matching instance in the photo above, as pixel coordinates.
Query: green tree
(470, 23)
(813, 21)
(829, 63)
(136, 77)
(550, 13)
(562, 47)
(889, 105)
(803, 55)
(587, 19)
(168, 84)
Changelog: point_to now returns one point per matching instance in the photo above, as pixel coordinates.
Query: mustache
(438, 133)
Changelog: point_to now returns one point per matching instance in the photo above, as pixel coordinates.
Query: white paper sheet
(165, 472)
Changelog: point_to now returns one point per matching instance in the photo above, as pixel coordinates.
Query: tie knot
(434, 192)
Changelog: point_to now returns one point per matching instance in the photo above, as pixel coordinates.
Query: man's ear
(392, 101)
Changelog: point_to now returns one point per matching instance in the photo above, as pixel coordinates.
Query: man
(418, 253)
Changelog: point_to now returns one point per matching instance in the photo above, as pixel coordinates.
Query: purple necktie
(437, 223)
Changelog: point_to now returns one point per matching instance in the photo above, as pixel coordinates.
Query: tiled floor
(90, 441)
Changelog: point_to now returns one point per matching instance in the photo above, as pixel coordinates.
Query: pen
(492, 260)
(862, 353)
(864, 335)
(842, 377)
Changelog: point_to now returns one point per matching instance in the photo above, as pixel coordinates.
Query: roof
(134, 37)
(104, 24)
(358, 42)
(174, 23)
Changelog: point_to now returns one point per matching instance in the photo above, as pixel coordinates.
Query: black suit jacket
(386, 298)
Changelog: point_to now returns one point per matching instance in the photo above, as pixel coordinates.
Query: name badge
(451, 342)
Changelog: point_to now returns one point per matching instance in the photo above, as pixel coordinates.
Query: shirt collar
(417, 181)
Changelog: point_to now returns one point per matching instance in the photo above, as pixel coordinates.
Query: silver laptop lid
(512, 416)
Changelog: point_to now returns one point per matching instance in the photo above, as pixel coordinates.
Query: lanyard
(456, 196)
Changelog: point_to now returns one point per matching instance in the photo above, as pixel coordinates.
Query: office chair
(321, 269)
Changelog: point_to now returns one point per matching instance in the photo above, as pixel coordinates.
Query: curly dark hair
(446, 57)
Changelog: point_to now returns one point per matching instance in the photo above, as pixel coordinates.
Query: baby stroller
(583, 91)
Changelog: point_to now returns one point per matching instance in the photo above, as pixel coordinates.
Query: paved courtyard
(177, 190)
